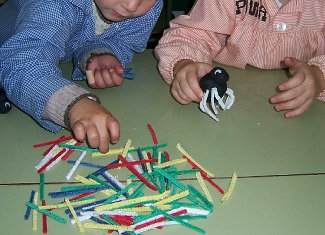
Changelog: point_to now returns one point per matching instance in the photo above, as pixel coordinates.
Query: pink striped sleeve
(320, 62)
(198, 36)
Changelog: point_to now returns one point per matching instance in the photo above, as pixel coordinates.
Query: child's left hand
(92, 122)
(107, 71)
(299, 92)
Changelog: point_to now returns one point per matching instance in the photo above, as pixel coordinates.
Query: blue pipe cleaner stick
(127, 74)
(77, 208)
(86, 164)
(28, 210)
(95, 219)
(140, 155)
(103, 169)
(75, 192)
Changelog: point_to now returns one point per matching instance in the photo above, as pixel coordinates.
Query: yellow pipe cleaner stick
(63, 205)
(86, 181)
(110, 152)
(145, 209)
(126, 148)
(170, 163)
(195, 162)
(172, 198)
(35, 212)
(204, 187)
(107, 192)
(159, 157)
(128, 182)
(148, 165)
(70, 142)
(132, 201)
(231, 187)
(108, 227)
(75, 217)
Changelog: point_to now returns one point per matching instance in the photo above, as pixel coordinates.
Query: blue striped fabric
(38, 34)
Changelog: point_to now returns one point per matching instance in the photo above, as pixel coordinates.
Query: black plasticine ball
(5, 105)
(218, 78)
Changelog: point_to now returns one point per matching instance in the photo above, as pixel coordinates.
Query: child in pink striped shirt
(263, 33)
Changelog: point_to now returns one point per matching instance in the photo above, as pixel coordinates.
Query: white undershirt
(100, 25)
(279, 3)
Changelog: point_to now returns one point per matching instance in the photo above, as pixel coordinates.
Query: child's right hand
(92, 122)
(299, 92)
(185, 87)
(106, 71)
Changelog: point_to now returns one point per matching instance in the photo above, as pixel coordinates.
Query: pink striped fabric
(245, 32)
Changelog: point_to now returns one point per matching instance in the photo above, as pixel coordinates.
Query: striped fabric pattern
(245, 32)
(38, 34)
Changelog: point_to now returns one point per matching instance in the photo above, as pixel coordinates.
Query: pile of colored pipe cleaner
(153, 196)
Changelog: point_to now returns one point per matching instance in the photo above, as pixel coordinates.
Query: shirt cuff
(319, 62)
(58, 106)
(87, 58)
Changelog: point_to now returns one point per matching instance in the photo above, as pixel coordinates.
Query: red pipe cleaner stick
(193, 164)
(205, 176)
(154, 221)
(48, 150)
(167, 156)
(43, 168)
(54, 142)
(44, 218)
(137, 174)
(123, 220)
(149, 155)
(153, 134)
(62, 138)
(82, 196)
(108, 167)
(70, 151)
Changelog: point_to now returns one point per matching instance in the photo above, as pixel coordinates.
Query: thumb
(292, 64)
(289, 61)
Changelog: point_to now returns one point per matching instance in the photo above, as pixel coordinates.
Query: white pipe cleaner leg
(230, 99)
(204, 108)
(215, 98)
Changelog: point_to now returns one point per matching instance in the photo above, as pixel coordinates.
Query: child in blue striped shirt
(97, 35)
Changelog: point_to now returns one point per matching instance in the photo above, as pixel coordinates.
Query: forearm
(178, 45)
(195, 37)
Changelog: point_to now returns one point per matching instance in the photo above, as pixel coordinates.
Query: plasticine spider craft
(214, 85)
(5, 105)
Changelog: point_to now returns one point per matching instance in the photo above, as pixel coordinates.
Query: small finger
(289, 105)
(99, 79)
(113, 127)
(93, 137)
(103, 140)
(106, 75)
(116, 78)
(179, 95)
(79, 131)
(292, 83)
(298, 111)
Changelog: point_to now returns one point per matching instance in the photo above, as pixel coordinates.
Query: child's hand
(185, 87)
(301, 90)
(107, 71)
(92, 122)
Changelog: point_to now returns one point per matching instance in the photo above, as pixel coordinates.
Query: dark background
(166, 15)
